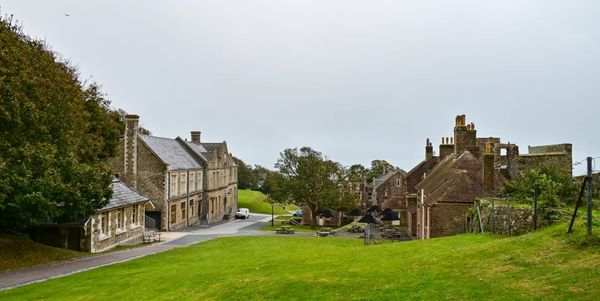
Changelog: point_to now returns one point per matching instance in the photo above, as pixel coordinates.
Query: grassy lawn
(546, 265)
(256, 202)
(17, 252)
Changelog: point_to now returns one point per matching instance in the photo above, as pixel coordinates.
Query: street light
(272, 212)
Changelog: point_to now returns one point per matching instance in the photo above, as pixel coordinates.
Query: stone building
(119, 222)
(187, 181)
(363, 193)
(388, 189)
(441, 188)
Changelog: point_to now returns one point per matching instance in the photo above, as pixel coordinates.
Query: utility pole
(589, 195)
(535, 204)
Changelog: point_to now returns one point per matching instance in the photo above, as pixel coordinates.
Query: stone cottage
(188, 181)
(388, 190)
(440, 189)
(119, 222)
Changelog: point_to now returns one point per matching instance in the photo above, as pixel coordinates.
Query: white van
(242, 213)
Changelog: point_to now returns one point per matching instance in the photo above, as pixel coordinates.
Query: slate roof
(382, 179)
(455, 179)
(123, 195)
(415, 175)
(172, 152)
(197, 147)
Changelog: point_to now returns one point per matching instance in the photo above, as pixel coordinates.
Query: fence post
(535, 203)
(589, 195)
(508, 218)
(493, 217)
(480, 217)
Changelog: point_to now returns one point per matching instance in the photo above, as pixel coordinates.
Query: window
(212, 205)
(182, 184)
(398, 182)
(104, 223)
(134, 219)
(193, 181)
(120, 218)
(192, 207)
(173, 185)
(173, 214)
(182, 205)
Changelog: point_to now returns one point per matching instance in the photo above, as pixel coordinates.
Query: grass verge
(256, 202)
(545, 265)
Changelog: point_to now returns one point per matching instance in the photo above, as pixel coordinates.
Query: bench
(151, 236)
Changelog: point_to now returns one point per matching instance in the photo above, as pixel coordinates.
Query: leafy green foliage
(554, 187)
(309, 178)
(56, 135)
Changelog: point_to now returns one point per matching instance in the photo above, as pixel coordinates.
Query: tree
(357, 173)
(311, 179)
(554, 187)
(56, 135)
(246, 178)
(378, 168)
(260, 175)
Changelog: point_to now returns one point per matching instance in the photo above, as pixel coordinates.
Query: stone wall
(130, 234)
(448, 219)
(521, 218)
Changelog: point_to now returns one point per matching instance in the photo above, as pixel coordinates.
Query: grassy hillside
(256, 202)
(547, 265)
(18, 252)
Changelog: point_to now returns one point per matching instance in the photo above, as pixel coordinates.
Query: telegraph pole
(589, 195)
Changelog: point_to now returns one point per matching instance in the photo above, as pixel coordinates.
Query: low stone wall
(520, 218)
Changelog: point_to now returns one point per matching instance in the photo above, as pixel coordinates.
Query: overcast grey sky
(357, 80)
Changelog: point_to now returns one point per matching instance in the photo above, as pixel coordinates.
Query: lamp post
(272, 212)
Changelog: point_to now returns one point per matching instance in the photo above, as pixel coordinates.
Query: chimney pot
(196, 136)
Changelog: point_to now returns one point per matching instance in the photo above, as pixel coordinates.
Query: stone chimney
(196, 136)
(130, 150)
(446, 147)
(428, 150)
(465, 136)
(488, 164)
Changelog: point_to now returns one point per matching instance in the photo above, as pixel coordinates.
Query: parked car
(298, 213)
(242, 213)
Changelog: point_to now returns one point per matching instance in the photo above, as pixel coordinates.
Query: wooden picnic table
(356, 229)
(324, 231)
(285, 230)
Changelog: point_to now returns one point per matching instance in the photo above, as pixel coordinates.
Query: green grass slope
(17, 252)
(547, 265)
(256, 202)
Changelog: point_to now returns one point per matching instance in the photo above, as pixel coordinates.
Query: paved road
(188, 236)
